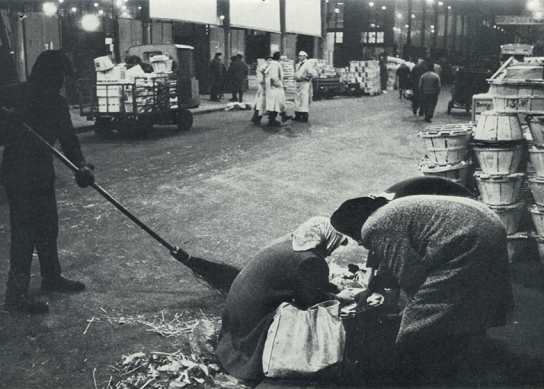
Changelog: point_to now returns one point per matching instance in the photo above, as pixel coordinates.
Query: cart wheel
(126, 127)
(450, 106)
(184, 120)
(144, 124)
(102, 127)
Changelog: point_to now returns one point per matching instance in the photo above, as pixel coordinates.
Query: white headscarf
(314, 232)
(303, 53)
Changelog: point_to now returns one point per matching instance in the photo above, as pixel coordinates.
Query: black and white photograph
(271, 194)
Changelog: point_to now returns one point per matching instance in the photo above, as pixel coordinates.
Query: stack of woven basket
(536, 180)
(499, 145)
(519, 90)
(447, 147)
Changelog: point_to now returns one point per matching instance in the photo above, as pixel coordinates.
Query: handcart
(134, 105)
(327, 87)
(467, 84)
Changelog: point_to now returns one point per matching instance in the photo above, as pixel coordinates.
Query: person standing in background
(429, 89)
(383, 72)
(259, 106)
(217, 76)
(403, 75)
(415, 75)
(238, 72)
(275, 94)
(230, 77)
(304, 72)
(241, 76)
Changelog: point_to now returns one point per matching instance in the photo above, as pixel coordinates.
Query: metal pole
(423, 20)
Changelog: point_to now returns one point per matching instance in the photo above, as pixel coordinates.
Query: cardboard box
(109, 90)
(117, 74)
(101, 64)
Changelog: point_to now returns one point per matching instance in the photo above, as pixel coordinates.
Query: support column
(146, 25)
(423, 20)
(454, 31)
(283, 36)
(409, 31)
(446, 25)
(435, 22)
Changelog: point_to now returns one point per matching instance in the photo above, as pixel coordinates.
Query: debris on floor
(171, 371)
(196, 368)
(238, 107)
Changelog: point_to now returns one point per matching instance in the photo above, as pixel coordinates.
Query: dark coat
(403, 73)
(416, 73)
(217, 73)
(449, 254)
(276, 275)
(429, 83)
(237, 72)
(27, 165)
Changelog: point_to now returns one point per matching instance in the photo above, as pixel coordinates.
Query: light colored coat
(260, 99)
(275, 95)
(304, 92)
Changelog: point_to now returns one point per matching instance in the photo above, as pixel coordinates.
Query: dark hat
(218, 54)
(240, 56)
(352, 214)
(428, 185)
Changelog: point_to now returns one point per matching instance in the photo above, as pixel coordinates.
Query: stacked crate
(366, 74)
(289, 83)
(109, 91)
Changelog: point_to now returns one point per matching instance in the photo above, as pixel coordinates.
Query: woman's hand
(345, 297)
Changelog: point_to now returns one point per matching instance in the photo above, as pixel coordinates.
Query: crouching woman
(449, 254)
(290, 269)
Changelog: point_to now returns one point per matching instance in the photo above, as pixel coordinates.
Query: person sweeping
(29, 177)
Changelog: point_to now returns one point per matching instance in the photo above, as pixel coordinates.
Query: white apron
(304, 90)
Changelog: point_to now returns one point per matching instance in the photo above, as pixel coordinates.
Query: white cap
(303, 53)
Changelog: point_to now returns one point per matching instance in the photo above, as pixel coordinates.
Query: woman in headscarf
(449, 255)
(290, 269)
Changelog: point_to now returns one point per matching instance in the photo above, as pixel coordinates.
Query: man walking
(304, 73)
(415, 76)
(216, 77)
(429, 88)
(275, 95)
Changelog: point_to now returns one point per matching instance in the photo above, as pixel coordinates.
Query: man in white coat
(304, 72)
(275, 94)
(259, 106)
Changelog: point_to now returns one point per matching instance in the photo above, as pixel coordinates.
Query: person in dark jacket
(28, 177)
(217, 77)
(449, 255)
(429, 89)
(290, 269)
(415, 76)
(238, 72)
(403, 75)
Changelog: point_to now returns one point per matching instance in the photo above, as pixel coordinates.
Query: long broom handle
(100, 190)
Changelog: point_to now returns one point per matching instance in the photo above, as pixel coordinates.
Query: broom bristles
(218, 276)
